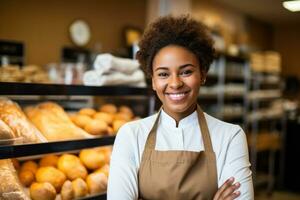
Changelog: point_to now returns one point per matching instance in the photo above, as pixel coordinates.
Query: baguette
(54, 123)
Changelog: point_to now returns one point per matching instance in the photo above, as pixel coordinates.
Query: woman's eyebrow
(180, 67)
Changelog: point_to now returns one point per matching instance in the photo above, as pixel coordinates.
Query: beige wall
(235, 26)
(287, 42)
(43, 24)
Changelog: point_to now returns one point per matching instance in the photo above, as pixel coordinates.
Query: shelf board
(20, 150)
(95, 197)
(13, 88)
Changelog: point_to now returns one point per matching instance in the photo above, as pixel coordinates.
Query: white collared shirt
(228, 141)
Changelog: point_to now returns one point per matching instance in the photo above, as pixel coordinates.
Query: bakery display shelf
(20, 150)
(13, 88)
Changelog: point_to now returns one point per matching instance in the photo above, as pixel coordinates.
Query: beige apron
(178, 175)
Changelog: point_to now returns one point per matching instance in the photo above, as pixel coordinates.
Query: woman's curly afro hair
(182, 31)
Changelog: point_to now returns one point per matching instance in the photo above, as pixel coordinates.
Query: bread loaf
(10, 187)
(13, 116)
(42, 191)
(51, 175)
(54, 123)
(5, 132)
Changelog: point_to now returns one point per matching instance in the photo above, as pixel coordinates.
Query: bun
(80, 188)
(109, 108)
(49, 160)
(126, 110)
(92, 159)
(96, 182)
(51, 175)
(117, 124)
(87, 111)
(122, 116)
(82, 120)
(108, 118)
(72, 167)
(42, 191)
(26, 177)
(30, 166)
(67, 192)
(96, 127)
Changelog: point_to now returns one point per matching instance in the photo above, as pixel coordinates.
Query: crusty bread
(54, 123)
(10, 187)
(14, 117)
(5, 131)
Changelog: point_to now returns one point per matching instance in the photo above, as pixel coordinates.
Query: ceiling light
(293, 6)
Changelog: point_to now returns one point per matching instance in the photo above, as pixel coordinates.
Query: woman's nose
(175, 82)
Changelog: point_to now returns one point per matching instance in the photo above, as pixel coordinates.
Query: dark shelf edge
(95, 197)
(13, 151)
(13, 88)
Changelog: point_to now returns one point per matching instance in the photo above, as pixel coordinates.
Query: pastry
(87, 111)
(108, 118)
(54, 123)
(96, 182)
(51, 175)
(72, 166)
(26, 177)
(67, 192)
(42, 191)
(30, 166)
(96, 127)
(109, 108)
(80, 188)
(92, 159)
(49, 160)
(81, 120)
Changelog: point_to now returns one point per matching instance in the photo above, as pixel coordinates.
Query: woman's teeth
(177, 96)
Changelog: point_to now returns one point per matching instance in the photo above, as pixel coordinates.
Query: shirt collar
(168, 122)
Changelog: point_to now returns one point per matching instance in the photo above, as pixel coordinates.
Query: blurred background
(254, 81)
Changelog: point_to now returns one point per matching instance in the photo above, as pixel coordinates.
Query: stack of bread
(14, 125)
(105, 121)
(67, 176)
(28, 74)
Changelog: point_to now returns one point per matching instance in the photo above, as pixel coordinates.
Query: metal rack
(27, 89)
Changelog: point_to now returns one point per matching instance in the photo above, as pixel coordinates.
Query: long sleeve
(237, 165)
(122, 183)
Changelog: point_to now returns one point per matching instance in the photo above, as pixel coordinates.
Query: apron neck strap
(151, 141)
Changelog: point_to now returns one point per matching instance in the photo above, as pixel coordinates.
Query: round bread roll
(49, 160)
(122, 116)
(72, 167)
(108, 118)
(117, 124)
(92, 159)
(42, 191)
(51, 175)
(106, 151)
(110, 131)
(5, 132)
(87, 111)
(126, 110)
(96, 182)
(82, 120)
(73, 117)
(109, 108)
(30, 165)
(26, 177)
(67, 192)
(104, 170)
(96, 127)
(80, 188)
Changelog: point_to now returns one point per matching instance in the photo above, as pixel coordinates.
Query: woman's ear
(203, 77)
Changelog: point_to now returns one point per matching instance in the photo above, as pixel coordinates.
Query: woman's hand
(228, 191)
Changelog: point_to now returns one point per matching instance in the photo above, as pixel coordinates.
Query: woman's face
(176, 79)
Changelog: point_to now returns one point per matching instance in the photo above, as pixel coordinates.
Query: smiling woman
(180, 153)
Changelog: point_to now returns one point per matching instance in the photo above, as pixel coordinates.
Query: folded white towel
(95, 78)
(106, 63)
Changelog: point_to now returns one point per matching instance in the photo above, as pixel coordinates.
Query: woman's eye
(186, 72)
(162, 74)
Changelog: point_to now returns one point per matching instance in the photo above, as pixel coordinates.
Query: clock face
(80, 32)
